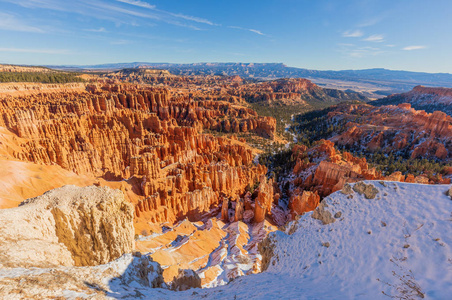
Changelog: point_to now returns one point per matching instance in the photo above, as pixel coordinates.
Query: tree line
(50, 77)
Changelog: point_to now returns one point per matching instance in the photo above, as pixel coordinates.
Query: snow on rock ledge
(405, 227)
(68, 226)
(127, 277)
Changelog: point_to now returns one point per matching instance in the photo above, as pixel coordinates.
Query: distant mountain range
(388, 81)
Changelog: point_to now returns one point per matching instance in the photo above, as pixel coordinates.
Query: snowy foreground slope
(364, 252)
(410, 224)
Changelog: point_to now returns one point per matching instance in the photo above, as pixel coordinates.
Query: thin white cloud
(113, 8)
(378, 38)
(179, 15)
(256, 31)
(360, 53)
(11, 23)
(120, 42)
(194, 19)
(369, 22)
(116, 11)
(48, 4)
(411, 48)
(248, 29)
(101, 29)
(138, 3)
(352, 51)
(372, 21)
(353, 33)
(38, 51)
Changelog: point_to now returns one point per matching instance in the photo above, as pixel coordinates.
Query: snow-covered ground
(286, 129)
(406, 230)
(406, 227)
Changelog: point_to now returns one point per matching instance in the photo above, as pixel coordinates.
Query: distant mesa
(429, 99)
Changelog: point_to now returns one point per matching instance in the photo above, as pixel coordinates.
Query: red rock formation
(395, 128)
(239, 209)
(398, 176)
(124, 131)
(304, 202)
(324, 170)
(264, 200)
(233, 89)
(321, 170)
(443, 92)
(421, 97)
(225, 210)
(281, 91)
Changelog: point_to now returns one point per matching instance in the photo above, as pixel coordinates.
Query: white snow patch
(410, 225)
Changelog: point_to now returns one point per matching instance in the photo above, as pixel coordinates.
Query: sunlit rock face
(398, 129)
(420, 97)
(68, 226)
(150, 135)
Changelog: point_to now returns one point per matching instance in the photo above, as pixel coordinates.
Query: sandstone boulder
(323, 215)
(145, 271)
(68, 226)
(449, 192)
(368, 190)
(186, 279)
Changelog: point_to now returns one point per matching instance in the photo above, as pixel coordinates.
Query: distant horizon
(412, 35)
(213, 62)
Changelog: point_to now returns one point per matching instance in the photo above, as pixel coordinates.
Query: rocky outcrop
(186, 279)
(144, 271)
(17, 68)
(128, 275)
(369, 190)
(323, 215)
(225, 210)
(307, 201)
(320, 171)
(68, 226)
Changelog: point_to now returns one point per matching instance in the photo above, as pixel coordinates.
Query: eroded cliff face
(423, 98)
(293, 91)
(150, 135)
(399, 129)
(68, 226)
(234, 89)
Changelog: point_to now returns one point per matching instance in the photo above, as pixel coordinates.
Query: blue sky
(317, 34)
